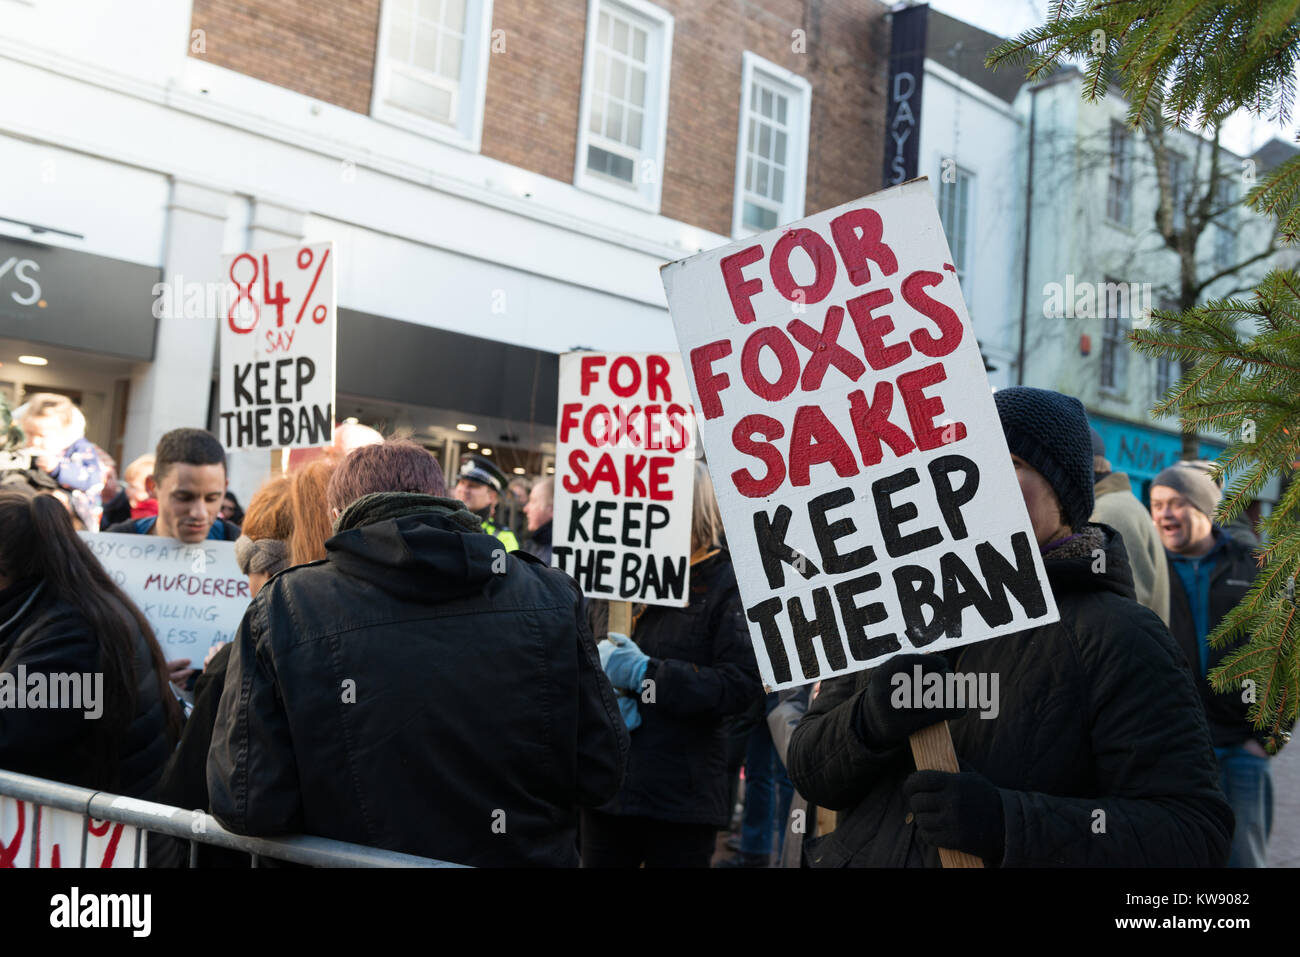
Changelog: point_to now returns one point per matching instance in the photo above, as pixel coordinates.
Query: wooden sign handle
(620, 617)
(932, 750)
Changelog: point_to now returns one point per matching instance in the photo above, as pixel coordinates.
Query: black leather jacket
(418, 690)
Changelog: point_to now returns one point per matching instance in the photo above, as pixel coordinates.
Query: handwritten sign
(624, 474)
(194, 596)
(277, 349)
(865, 485)
(32, 835)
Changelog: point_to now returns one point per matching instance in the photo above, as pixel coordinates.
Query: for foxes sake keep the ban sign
(624, 476)
(869, 499)
(277, 349)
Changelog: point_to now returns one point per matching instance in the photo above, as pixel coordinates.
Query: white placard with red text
(194, 596)
(32, 835)
(277, 349)
(624, 476)
(869, 499)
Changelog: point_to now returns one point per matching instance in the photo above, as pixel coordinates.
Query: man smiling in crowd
(1209, 573)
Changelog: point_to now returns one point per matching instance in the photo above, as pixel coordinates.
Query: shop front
(74, 324)
(1143, 452)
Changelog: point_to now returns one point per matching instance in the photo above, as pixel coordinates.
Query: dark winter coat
(420, 691)
(1234, 574)
(539, 544)
(52, 637)
(1098, 713)
(703, 668)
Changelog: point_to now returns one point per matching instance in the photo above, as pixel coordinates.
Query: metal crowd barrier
(195, 827)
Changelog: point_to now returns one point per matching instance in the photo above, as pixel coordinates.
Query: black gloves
(885, 713)
(962, 812)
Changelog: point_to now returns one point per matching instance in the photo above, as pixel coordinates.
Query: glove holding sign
(625, 666)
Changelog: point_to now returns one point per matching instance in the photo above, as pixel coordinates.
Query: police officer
(479, 486)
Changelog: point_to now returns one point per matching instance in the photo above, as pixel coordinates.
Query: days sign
(277, 349)
(32, 835)
(903, 109)
(858, 459)
(194, 596)
(624, 476)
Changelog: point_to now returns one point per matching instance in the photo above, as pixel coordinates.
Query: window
(431, 67)
(954, 212)
(1112, 339)
(1164, 375)
(624, 101)
(772, 150)
(1119, 191)
(1225, 223)
(1179, 189)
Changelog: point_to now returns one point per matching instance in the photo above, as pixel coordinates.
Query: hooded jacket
(419, 690)
(1100, 748)
(48, 636)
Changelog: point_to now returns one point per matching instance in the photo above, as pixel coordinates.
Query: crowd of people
(411, 674)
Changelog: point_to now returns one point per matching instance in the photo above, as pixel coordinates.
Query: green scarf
(380, 506)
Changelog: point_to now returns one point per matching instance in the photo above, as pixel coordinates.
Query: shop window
(624, 101)
(772, 152)
(431, 67)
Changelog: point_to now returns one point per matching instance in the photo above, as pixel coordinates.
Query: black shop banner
(625, 476)
(867, 492)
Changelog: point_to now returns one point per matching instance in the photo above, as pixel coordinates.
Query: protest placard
(624, 475)
(868, 496)
(277, 349)
(194, 596)
(32, 835)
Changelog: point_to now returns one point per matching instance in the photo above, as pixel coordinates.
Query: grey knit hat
(1192, 484)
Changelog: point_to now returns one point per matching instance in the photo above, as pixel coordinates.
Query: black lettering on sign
(770, 535)
(893, 516)
(821, 626)
(825, 534)
(764, 615)
(856, 619)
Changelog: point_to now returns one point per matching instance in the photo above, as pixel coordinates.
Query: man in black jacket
(1209, 574)
(420, 690)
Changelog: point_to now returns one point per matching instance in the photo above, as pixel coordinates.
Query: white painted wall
(982, 134)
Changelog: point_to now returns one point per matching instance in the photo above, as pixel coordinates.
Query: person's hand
(628, 708)
(46, 463)
(623, 661)
(212, 652)
(962, 812)
(885, 716)
(179, 671)
(1254, 747)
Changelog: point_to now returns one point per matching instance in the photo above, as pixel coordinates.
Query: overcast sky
(1243, 134)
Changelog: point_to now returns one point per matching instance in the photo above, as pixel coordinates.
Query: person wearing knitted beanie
(1049, 432)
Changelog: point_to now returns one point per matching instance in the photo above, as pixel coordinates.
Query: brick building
(501, 181)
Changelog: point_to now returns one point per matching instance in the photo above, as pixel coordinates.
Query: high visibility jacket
(501, 534)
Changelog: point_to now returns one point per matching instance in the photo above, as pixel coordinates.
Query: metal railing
(195, 827)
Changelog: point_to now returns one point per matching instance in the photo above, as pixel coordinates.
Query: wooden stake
(932, 750)
(620, 617)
